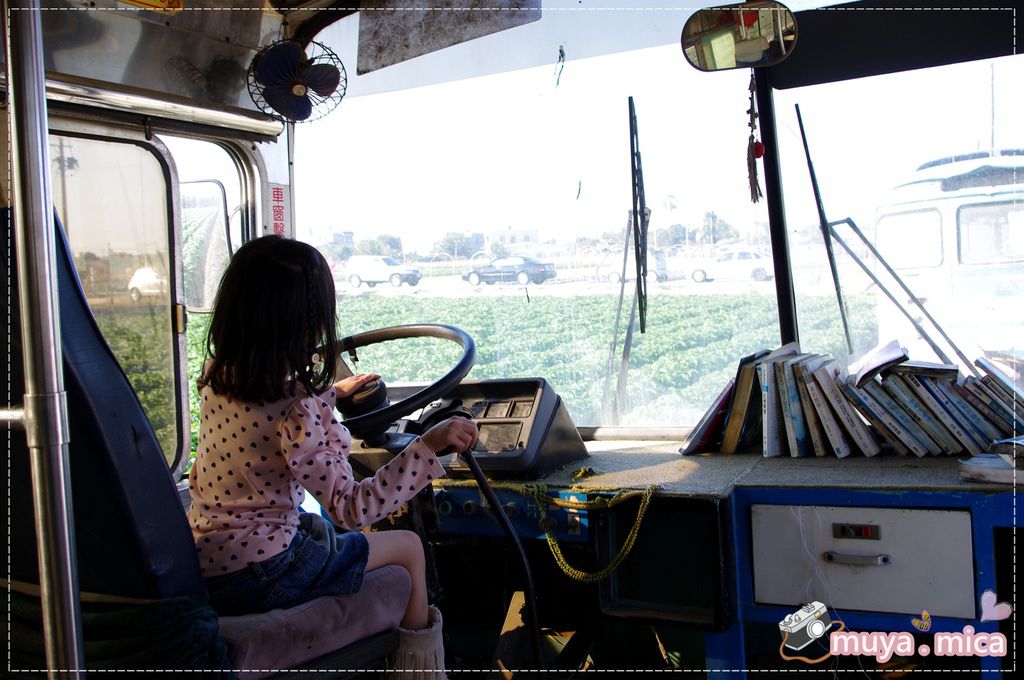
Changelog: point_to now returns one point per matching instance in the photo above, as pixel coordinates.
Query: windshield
(532, 175)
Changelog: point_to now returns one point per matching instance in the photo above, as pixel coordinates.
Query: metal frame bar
(45, 401)
(784, 291)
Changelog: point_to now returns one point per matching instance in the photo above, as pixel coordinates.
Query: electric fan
(296, 84)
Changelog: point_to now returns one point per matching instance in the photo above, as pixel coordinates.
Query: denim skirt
(319, 561)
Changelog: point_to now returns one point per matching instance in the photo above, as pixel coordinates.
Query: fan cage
(316, 53)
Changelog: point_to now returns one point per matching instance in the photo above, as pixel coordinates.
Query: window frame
(254, 193)
(128, 135)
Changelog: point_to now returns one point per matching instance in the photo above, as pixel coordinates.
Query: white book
(901, 392)
(772, 423)
(826, 376)
(1011, 388)
(935, 404)
(838, 442)
(962, 399)
(773, 427)
(976, 424)
(888, 420)
(978, 388)
(874, 389)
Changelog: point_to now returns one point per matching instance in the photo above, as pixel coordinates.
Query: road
(454, 286)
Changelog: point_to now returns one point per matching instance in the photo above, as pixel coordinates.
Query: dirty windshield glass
(509, 192)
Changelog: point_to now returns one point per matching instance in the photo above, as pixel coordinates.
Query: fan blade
(293, 107)
(321, 78)
(279, 63)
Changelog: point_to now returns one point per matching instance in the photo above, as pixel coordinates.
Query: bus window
(910, 240)
(112, 198)
(991, 234)
(515, 211)
(211, 212)
(213, 207)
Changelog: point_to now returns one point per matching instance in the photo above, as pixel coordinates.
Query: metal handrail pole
(45, 404)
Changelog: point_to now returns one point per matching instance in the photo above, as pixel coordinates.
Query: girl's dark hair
(275, 308)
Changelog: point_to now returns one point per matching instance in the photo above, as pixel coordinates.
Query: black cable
(506, 525)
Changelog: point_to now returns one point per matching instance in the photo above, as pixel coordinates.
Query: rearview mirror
(749, 34)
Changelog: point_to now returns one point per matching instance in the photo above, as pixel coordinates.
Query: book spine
(1005, 397)
(731, 436)
(985, 430)
(859, 433)
(902, 393)
(1002, 426)
(875, 390)
(814, 428)
(1004, 381)
(922, 389)
(833, 431)
(980, 390)
(796, 434)
(940, 390)
(739, 409)
(785, 407)
(771, 414)
(886, 423)
(874, 419)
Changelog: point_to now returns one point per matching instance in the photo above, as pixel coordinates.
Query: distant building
(343, 239)
(510, 238)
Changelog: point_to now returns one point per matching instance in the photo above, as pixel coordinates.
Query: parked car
(146, 281)
(611, 268)
(735, 264)
(374, 269)
(522, 270)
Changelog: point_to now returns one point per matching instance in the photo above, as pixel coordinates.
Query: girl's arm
(317, 445)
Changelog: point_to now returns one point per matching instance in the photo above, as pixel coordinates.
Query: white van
(374, 269)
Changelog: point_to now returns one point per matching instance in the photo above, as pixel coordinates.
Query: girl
(269, 434)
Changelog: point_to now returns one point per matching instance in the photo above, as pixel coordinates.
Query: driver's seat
(144, 602)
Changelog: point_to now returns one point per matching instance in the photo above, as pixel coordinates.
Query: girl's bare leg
(404, 549)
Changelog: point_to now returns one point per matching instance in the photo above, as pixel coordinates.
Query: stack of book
(792, 403)
(1002, 463)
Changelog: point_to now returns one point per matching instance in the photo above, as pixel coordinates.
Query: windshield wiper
(828, 232)
(641, 217)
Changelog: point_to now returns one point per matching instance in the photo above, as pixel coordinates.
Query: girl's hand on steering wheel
(457, 433)
(346, 387)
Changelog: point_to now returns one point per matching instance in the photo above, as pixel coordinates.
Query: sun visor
(389, 33)
(871, 38)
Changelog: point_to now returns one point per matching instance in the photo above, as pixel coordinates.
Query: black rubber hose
(506, 525)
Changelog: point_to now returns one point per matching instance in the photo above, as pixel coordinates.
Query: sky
(533, 148)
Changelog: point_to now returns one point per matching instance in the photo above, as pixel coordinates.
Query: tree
(336, 251)
(671, 236)
(384, 244)
(716, 229)
(460, 246)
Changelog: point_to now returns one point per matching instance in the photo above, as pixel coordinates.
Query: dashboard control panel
(525, 429)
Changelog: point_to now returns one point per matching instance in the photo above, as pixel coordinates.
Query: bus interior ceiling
(162, 161)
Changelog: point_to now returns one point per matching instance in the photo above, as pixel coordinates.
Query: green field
(689, 352)
(687, 355)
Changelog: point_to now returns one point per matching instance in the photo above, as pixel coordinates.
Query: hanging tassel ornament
(755, 149)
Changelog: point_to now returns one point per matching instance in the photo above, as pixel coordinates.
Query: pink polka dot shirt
(255, 462)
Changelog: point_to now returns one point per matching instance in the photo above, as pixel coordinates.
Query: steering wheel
(373, 424)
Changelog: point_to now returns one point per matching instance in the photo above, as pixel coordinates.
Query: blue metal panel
(989, 511)
(463, 511)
